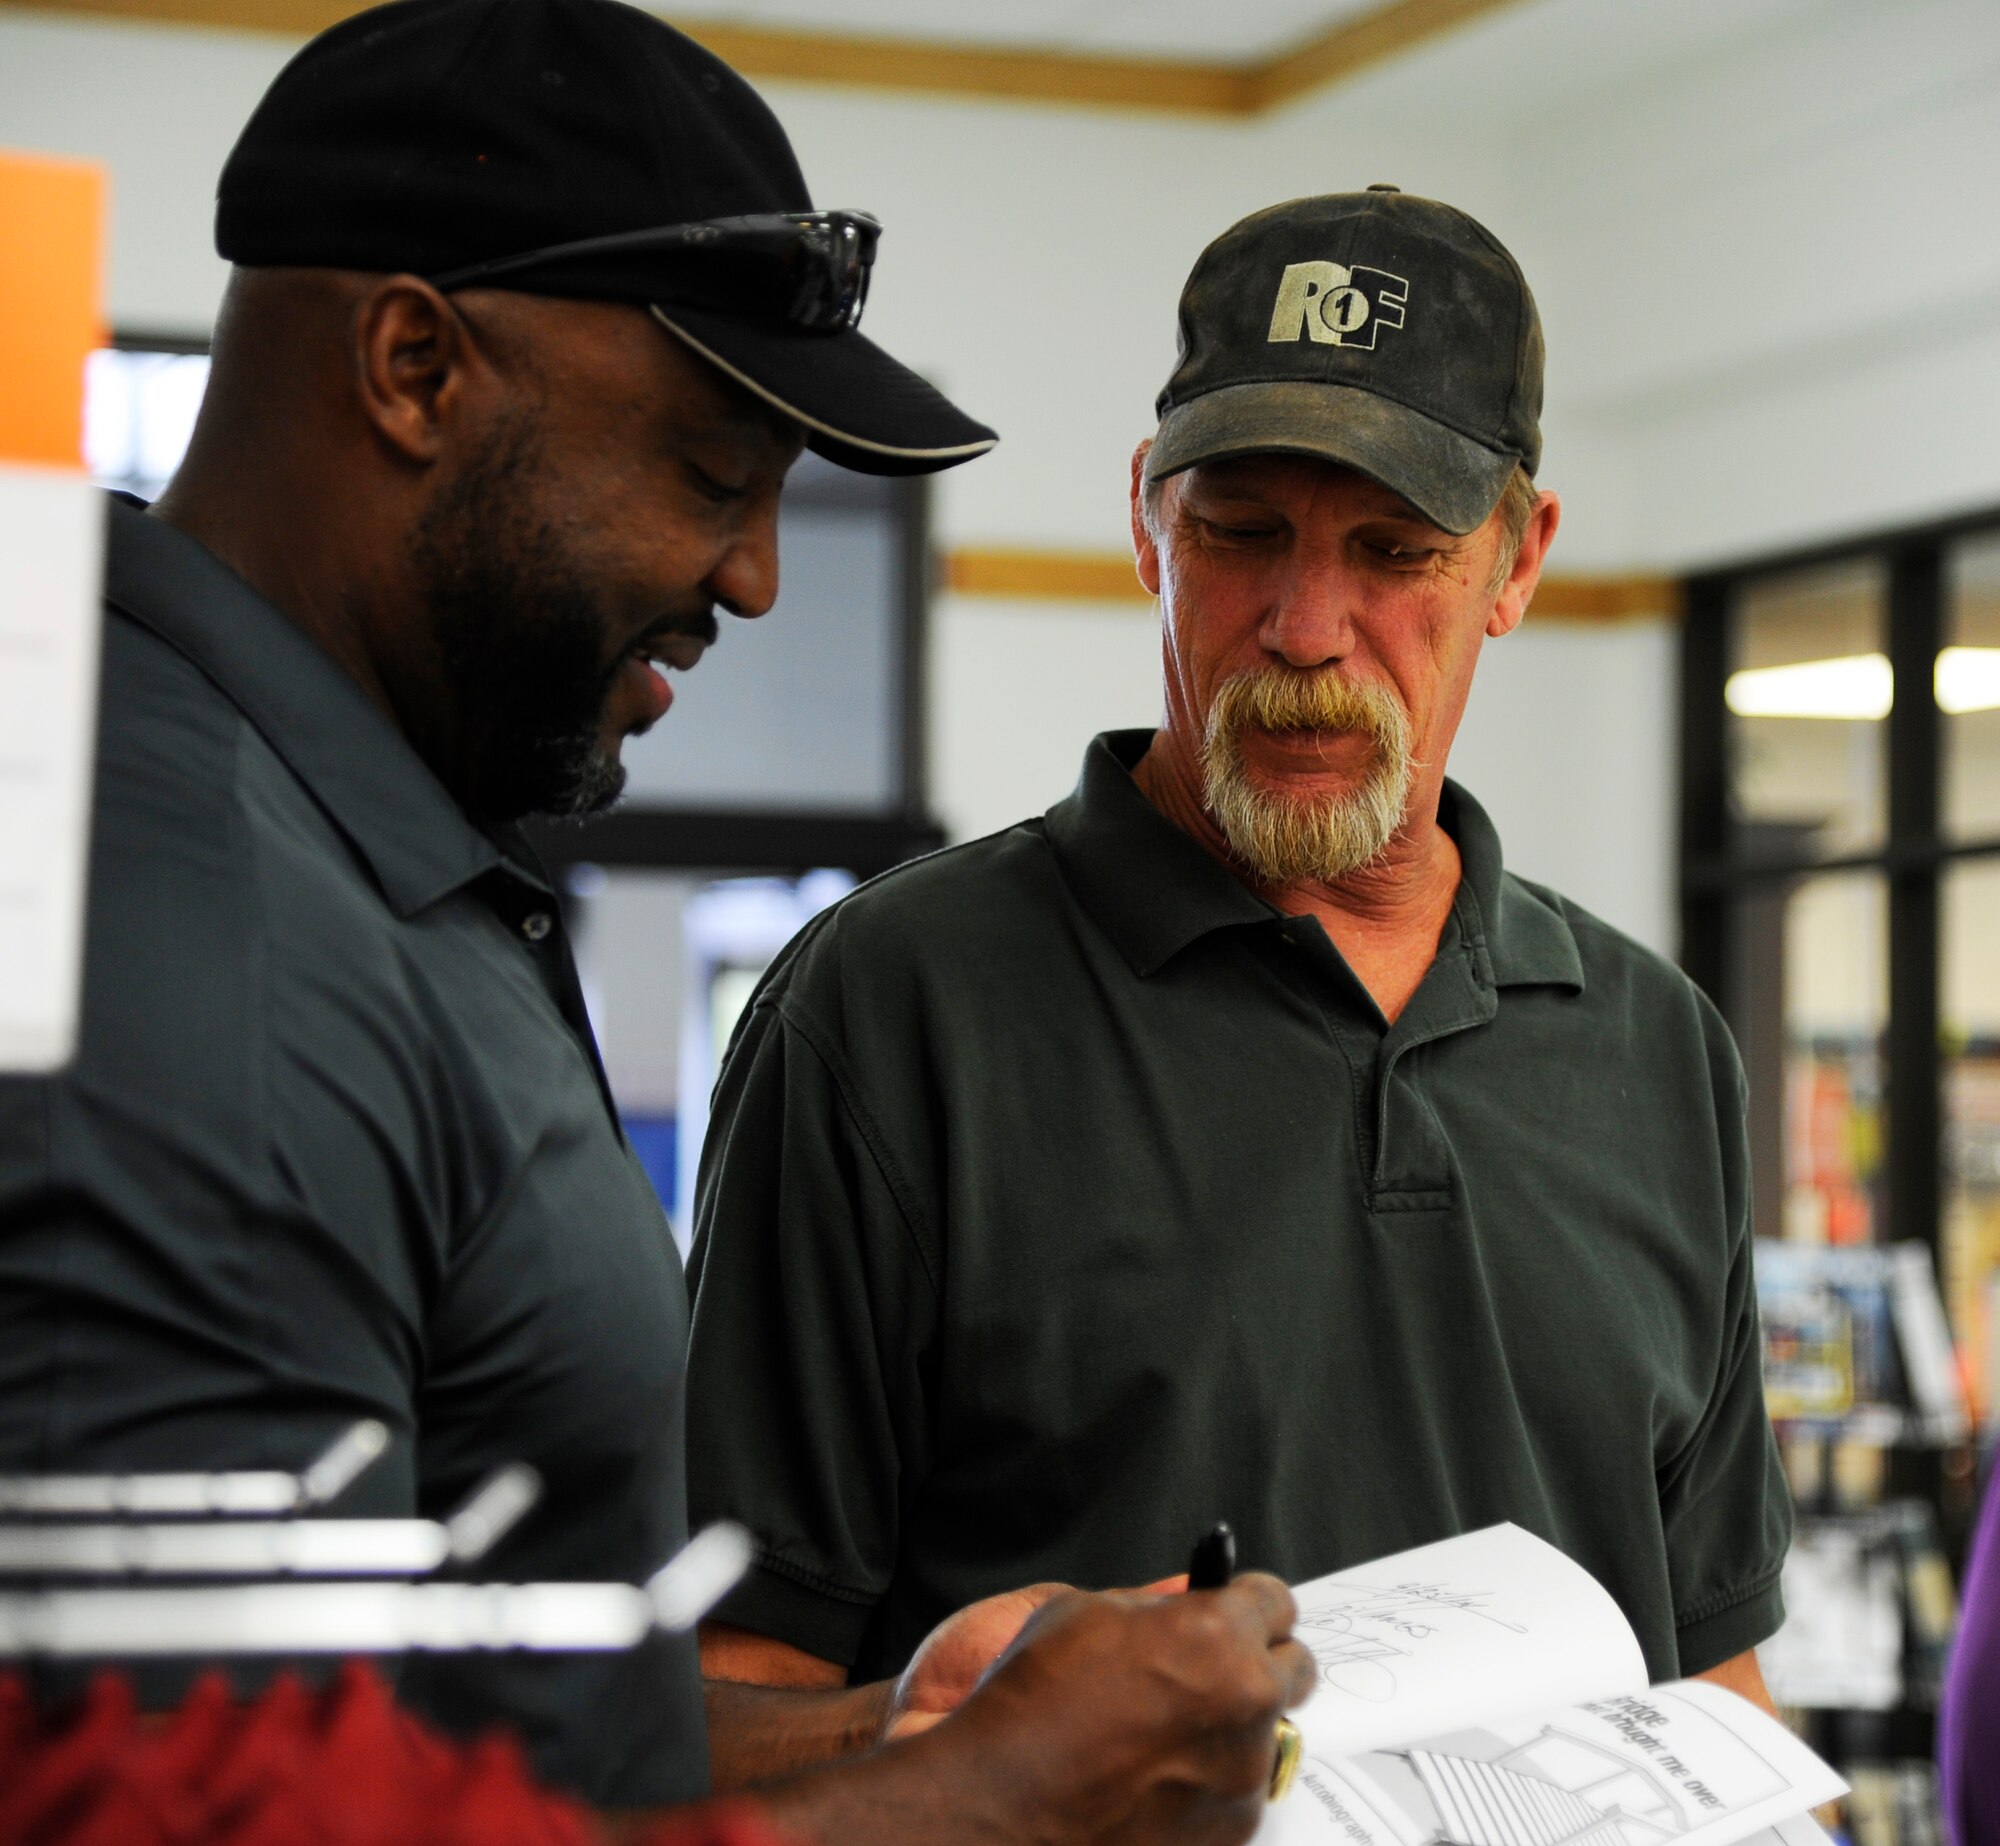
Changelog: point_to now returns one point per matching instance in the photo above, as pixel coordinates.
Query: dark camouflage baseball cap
(1386, 332)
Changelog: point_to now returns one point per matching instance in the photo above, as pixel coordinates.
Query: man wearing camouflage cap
(1239, 1139)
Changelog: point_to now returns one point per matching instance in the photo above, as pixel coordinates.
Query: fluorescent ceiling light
(1861, 686)
(1852, 686)
(1968, 679)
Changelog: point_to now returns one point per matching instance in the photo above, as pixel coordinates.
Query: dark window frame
(1724, 871)
(1719, 869)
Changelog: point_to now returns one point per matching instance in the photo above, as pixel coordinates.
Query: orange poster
(51, 542)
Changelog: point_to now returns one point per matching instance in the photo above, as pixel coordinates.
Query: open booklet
(1486, 1691)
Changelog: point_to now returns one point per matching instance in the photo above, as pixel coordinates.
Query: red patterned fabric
(345, 1767)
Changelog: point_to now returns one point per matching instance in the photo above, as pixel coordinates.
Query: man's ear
(411, 352)
(1145, 552)
(1519, 589)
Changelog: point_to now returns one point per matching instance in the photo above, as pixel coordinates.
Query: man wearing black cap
(1240, 1140)
(531, 313)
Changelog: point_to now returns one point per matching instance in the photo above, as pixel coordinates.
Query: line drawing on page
(1548, 1784)
(1357, 1636)
(1553, 1790)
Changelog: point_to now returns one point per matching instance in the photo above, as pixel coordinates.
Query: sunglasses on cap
(808, 268)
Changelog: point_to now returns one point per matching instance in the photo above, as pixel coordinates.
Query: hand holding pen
(1210, 1567)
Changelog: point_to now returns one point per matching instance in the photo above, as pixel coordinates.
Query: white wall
(1765, 236)
(1569, 744)
(1778, 272)
(160, 108)
(1019, 688)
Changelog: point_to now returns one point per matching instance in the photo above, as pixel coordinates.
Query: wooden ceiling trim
(1038, 576)
(1074, 79)
(1606, 599)
(288, 18)
(955, 70)
(1372, 38)
(1026, 575)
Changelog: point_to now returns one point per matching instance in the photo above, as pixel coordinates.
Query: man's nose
(1311, 624)
(745, 582)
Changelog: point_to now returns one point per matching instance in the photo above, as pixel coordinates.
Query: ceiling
(1178, 55)
(1174, 55)
(1247, 31)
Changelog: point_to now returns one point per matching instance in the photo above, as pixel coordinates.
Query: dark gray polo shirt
(336, 1145)
(1062, 1197)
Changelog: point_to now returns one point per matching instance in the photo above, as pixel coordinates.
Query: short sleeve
(814, 1309)
(1726, 1506)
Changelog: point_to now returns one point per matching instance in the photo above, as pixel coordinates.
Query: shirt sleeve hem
(771, 1601)
(1724, 1626)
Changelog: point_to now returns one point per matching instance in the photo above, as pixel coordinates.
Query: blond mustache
(1275, 700)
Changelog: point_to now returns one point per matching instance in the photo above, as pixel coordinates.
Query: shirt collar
(1151, 888)
(1153, 891)
(1520, 929)
(415, 838)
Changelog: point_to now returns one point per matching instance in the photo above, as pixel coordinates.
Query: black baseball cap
(1386, 332)
(440, 137)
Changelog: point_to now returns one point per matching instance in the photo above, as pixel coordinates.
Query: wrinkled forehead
(1283, 478)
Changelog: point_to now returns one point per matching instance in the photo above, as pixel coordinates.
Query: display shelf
(1868, 1404)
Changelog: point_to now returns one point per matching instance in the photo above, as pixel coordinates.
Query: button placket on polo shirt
(1413, 1168)
(1403, 1151)
(1312, 964)
(528, 912)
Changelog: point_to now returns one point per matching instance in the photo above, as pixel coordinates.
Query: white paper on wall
(51, 559)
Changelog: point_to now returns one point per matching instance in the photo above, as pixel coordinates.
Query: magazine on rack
(1855, 1336)
(1486, 1691)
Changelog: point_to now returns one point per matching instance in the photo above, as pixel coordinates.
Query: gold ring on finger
(1285, 1766)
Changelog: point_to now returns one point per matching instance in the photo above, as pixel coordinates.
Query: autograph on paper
(1362, 1630)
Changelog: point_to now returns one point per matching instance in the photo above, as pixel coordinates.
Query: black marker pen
(1214, 1559)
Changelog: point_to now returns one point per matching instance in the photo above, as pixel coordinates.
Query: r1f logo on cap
(1337, 306)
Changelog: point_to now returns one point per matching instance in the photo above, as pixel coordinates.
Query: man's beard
(1284, 837)
(520, 637)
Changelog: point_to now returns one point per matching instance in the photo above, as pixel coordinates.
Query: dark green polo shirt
(1062, 1198)
(336, 1145)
